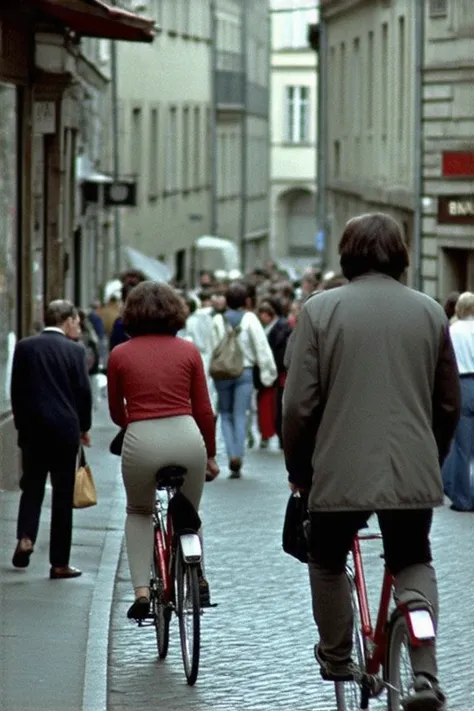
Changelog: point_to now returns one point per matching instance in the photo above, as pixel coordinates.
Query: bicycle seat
(170, 477)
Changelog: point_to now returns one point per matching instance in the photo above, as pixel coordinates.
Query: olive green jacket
(372, 398)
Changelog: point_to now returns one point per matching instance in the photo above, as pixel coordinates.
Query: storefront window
(8, 238)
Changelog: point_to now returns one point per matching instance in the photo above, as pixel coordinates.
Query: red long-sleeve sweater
(159, 376)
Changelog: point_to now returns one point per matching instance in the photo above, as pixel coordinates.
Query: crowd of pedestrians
(367, 387)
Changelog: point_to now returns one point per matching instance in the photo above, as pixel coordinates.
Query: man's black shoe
(334, 671)
(425, 696)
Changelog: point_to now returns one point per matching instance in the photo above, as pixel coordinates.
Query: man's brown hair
(373, 243)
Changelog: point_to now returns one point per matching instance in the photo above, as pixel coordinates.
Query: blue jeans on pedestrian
(234, 399)
(458, 480)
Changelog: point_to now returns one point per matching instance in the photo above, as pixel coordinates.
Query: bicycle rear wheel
(160, 610)
(399, 671)
(189, 615)
(350, 695)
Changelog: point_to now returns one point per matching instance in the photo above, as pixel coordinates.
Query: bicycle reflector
(191, 547)
(421, 626)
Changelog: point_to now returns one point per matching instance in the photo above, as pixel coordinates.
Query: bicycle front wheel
(189, 615)
(350, 695)
(399, 671)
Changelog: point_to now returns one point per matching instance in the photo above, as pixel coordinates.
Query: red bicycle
(382, 654)
(174, 578)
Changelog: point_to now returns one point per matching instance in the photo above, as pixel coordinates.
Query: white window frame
(297, 110)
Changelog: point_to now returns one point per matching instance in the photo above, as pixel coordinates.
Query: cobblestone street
(257, 644)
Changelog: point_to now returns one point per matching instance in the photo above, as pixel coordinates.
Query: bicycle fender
(190, 547)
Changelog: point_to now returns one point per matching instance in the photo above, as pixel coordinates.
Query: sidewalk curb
(95, 688)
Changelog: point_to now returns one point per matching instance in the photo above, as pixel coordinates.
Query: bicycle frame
(375, 641)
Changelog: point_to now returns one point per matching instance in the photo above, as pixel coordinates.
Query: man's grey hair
(58, 312)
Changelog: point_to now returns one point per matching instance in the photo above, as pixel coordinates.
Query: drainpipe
(418, 187)
(213, 126)
(317, 35)
(115, 148)
(244, 133)
(321, 163)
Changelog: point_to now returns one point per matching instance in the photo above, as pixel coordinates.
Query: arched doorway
(300, 227)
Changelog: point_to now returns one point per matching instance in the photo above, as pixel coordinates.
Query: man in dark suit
(52, 404)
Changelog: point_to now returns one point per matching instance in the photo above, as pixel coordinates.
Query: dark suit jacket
(278, 338)
(50, 390)
(118, 335)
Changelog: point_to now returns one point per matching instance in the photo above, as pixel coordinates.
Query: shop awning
(94, 18)
(152, 268)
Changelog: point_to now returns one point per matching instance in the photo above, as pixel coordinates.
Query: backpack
(227, 360)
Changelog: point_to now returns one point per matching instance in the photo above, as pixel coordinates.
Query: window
(136, 142)
(159, 12)
(337, 159)
(186, 17)
(8, 238)
(384, 80)
(172, 16)
(342, 84)
(186, 158)
(208, 177)
(401, 76)
(356, 86)
(197, 147)
(293, 27)
(171, 150)
(370, 80)
(297, 112)
(153, 172)
(438, 8)
(222, 166)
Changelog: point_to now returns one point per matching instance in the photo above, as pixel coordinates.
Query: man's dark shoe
(235, 465)
(139, 610)
(426, 695)
(204, 592)
(64, 572)
(334, 671)
(23, 551)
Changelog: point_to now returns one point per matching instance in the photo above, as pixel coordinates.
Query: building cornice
(332, 8)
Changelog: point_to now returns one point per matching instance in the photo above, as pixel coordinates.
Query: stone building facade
(293, 131)
(46, 74)
(374, 137)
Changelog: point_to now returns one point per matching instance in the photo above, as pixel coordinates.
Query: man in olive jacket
(370, 407)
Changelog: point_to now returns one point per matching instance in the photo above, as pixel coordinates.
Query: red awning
(94, 18)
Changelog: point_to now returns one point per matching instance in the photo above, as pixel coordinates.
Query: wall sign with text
(456, 209)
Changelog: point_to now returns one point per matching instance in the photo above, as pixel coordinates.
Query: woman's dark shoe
(453, 507)
(64, 572)
(140, 609)
(23, 550)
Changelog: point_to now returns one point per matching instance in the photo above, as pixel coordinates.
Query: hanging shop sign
(120, 193)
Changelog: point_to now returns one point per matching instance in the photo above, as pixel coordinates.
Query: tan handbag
(85, 493)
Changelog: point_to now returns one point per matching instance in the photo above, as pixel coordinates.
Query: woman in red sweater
(157, 390)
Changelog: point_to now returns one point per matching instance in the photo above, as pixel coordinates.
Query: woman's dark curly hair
(153, 308)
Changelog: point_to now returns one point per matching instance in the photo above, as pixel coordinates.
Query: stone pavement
(257, 644)
(54, 634)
